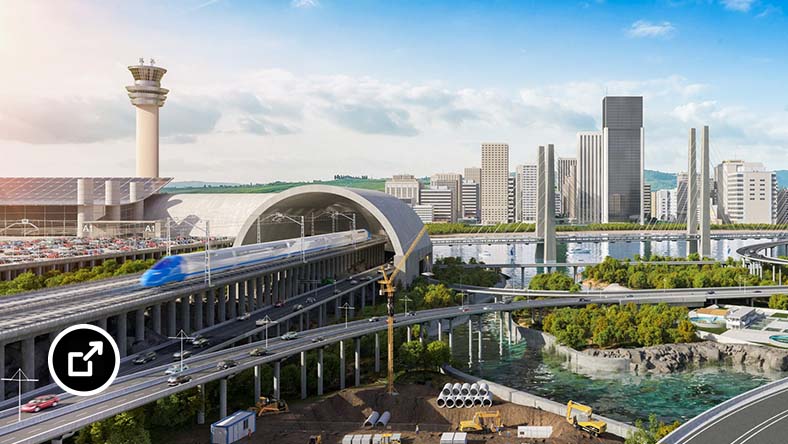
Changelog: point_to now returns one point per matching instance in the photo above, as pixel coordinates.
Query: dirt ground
(344, 412)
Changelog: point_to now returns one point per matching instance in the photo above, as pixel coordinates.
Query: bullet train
(183, 266)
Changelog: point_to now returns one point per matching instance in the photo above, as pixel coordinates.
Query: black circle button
(83, 360)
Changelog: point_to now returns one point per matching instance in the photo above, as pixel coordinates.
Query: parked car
(318, 339)
(244, 317)
(288, 336)
(175, 380)
(39, 403)
(298, 307)
(177, 368)
(258, 351)
(145, 358)
(179, 355)
(279, 304)
(200, 343)
(310, 300)
(225, 364)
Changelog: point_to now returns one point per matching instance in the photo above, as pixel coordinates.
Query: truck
(587, 422)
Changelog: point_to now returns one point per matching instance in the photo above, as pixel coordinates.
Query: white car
(175, 369)
(244, 317)
(353, 282)
(177, 355)
(261, 322)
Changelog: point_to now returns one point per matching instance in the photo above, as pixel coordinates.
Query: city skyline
(274, 84)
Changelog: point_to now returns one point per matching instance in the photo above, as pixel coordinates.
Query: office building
(471, 210)
(511, 196)
(682, 184)
(441, 200)
(782, 206)
(526, 182)
(665, 205)
(566, 182)
(747, 192)
(622, 131)
(424, 212)
(453, 181)
(646, 202)
(591, 173)
(474, 174)
(404, 187)
(495, 183)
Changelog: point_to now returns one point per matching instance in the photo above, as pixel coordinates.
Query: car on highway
(177, 368)
(373, 319)
(310, 300)
(464, 309)
(262, 322)
(39, 403)
(175, 380)
(353, 282)
(710, 292)
(225, 364)
(337, 291)
(410, 313)
(584, 300)
(288, 336)
(182, 355)
(298, 307)
(144, 358)
(318, 339)
(258, 351)
(279, 304)
(486, 307)
(197, 338)
(368, 278)
(200, 343)
(757, 291)
(244, 317)
(629, 296)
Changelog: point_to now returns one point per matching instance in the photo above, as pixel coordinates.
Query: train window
(164, 263)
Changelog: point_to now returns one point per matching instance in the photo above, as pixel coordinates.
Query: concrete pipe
(465, 390)
(372, 420)
(484, 389)
(455, 389)
(441, 401)
(468, 402)
(478, 401)
(450, 402)
(446, 391)
(384, 419)
(474, 389)
(487, 401)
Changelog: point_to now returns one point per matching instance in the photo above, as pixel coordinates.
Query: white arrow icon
(95, 347)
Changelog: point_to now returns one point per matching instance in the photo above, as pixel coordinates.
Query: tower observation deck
(147, 96)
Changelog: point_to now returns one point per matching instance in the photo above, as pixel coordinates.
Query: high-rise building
(782, 206)
(591, 173)
(452, 181)
(424, 212)
(748, 192)
(665, 205)
(646, 202)
(474, 174)
(526, 184)
(404, 187)
(567, 186)
(622, 131)
(470, 200)
(682, 184)
(511, 196)
(440, 197)
(495, 183)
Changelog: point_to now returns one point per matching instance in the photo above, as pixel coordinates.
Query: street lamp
(19, 377)
(406, 300)
(181, 336)
(347, 309)
(267, 321)
(278, 217)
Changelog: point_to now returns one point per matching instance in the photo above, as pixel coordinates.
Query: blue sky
(283, 90)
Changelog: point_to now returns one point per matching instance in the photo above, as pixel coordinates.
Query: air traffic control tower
(148, 96)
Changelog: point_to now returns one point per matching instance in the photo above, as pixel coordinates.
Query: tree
(437, 354)
(438, 296)
(411, 355)
(778, 301)
(650, 433)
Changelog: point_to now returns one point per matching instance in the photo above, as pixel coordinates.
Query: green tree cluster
(413, 355)
(778, 301)
(29, 281)
(617, 326)
(651, 432)
(554, 281)
(638, 275)
(450, 271)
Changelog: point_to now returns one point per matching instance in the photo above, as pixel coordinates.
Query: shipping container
(233, 428)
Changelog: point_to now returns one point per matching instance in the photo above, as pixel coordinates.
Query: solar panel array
(63, 190)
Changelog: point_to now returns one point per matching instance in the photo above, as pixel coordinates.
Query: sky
(305, 89)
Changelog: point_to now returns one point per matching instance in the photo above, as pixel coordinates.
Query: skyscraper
(453, 181)
(470, 200)
(440, 198)
(748, 192)
(404, 187)
(511, 199)
(474, 174)
(782, 207)
(647, 202)
(591, 177)
(622, 131)
(526, 184)
(567, 186)
(494, 186)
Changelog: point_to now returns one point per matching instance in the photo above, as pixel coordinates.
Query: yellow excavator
(482, 421)
(269, 406)
(594, 427)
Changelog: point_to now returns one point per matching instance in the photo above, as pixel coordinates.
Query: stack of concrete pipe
(464, 396)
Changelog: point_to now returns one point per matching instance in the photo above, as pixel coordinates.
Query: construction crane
(387, 288)
(594, 427)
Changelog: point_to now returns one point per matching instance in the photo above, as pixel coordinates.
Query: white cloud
(738, 5)
(770, 10)
(644, 28)
(304, 4)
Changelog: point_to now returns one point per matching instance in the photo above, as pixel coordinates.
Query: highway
(753, 253)
(598, 236)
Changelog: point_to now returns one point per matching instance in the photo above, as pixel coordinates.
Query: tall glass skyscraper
(622, 130)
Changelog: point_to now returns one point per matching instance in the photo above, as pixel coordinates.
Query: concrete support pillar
(155, 314)
(422, 332)
(303, 375)
(232, 300)
(407, 333)
(198, 310)
(223, 398)
(357, 364)
(201, 408)
(221, 299)
(139, 325)
(342, 365)
(268, 291)
(321, 315)
(172, 328)
(102, 324)
(540, 193)
(440, 329)
(281, 286)
(470, 341)
(210, 310)
(243, 296)
(121, 338)
(500, 333)
(185, 314)
(257, 372)
(705, 195)
(277, 380)
(363, 297)
(319, 372)
(301, 322)
(29, 362)
(692, 195)
(549, 208)
(337, 303)
(377, 353)
(2, 371)
(451, 334)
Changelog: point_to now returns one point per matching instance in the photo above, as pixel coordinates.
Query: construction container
(534, 432)
(233, 428)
